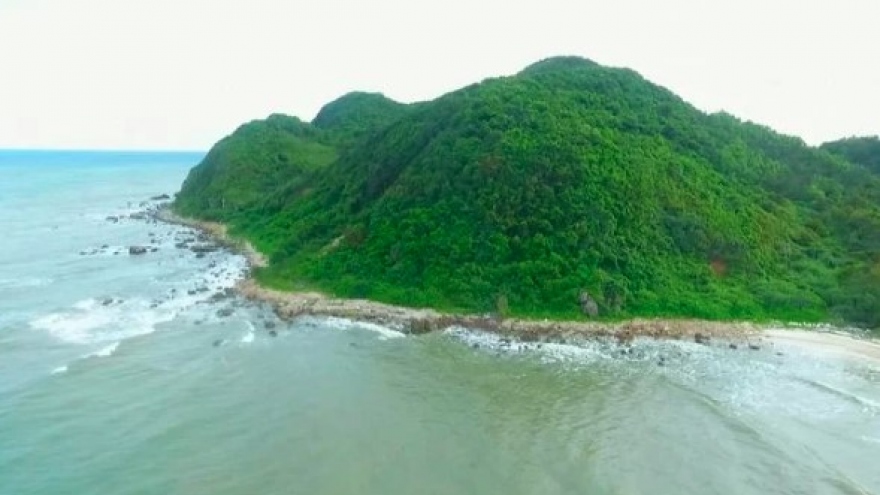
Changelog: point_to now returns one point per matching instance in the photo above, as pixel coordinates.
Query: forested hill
(864, 151)
(520, 193)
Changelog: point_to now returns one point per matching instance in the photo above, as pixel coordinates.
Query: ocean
(138, 374)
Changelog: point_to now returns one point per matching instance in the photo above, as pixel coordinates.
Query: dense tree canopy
(529, 189)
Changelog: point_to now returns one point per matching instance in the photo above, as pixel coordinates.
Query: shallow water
(155, 393)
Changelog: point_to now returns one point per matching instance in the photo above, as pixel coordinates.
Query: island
(568, 192)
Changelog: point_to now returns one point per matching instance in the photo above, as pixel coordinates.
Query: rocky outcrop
(589, 307)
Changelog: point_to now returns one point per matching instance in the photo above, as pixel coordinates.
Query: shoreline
(417, 321)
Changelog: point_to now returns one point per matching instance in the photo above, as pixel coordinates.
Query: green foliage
(354, 115)
(864, 151)
(516, 194)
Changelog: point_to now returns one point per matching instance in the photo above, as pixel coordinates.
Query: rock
(754, 347)
(475, 345)
(138, 216)
(200, 255)
(107, 302)
(181, 245)
(161, 197)
(204, 248)
(136, 250)
(733, 346)
(105, 246)
(269, 325)
(420, 326)
(699, 338)
(273, 333)
(588, 305)
(218, 342)
(112, 219)
(225, 312)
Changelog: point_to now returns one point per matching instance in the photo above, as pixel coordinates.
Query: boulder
(588, 304)
(225, 312)
(699, 338)
(136, 250)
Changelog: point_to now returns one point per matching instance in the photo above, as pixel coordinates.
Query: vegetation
(519, 193)
(862, 150)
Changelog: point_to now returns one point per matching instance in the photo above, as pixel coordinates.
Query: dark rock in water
(734, 346)
(191, 292)
(107, 302)
(701, 339)
(273, 333)
(181, 245)
(105, 246)
(475, 345)
(113, 219)
(161, 197)
(779, 354)
(218, 342)
(204, 248)
(153, 249)
(217, 297)
(754, 347)
(135, 250)
(269, 325)
(138, 216)
(200, 255)
(225, 312)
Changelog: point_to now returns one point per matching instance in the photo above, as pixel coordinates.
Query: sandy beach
(830, 343)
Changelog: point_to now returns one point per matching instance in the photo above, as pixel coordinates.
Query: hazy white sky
(175, 74)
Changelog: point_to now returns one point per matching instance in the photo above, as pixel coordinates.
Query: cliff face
(520, 194)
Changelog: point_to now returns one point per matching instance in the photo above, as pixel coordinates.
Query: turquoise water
(118, 376)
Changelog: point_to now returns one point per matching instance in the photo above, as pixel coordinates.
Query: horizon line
(100, 150)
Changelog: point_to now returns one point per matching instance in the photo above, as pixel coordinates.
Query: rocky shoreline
(416, 321)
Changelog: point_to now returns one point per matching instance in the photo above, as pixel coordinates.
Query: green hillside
(518, 193)
(864, 151)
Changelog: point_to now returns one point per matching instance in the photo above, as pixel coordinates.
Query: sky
(181, 74)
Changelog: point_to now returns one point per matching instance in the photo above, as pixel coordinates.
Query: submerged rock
(137, 250)
(699, 338)
(204, 248)
(225, 312)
